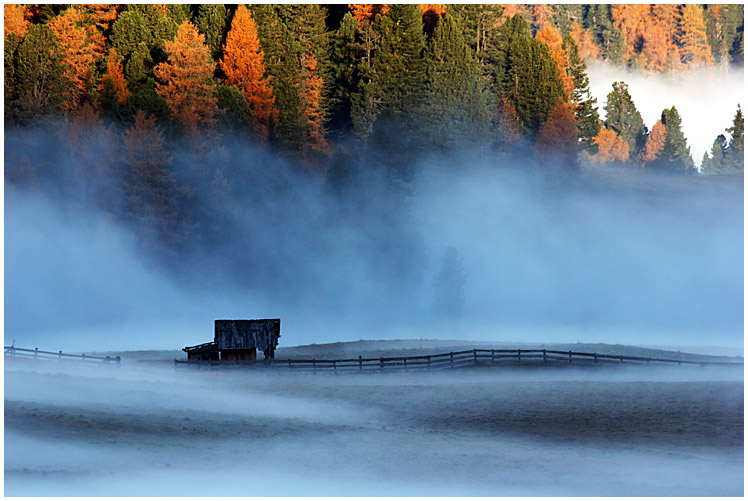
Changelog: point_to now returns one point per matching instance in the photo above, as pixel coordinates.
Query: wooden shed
(238, 340)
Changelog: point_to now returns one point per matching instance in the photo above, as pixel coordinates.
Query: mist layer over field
(602, 255)
(103, 431)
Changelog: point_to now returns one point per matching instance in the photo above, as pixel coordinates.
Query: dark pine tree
(588, 119)
(675, 155)
(623, 118)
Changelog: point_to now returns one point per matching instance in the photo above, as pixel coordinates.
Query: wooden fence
(442, 361)
(12, 351)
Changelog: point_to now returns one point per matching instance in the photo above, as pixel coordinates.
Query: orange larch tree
(365, 12)
(655, 142)
(313, 115)
(115, 75)
(244, 66)
(185, 80)
(660, 50)
(694, 48)
(102, 17)
(586, 47)
(80, 55)
(611, 147)
(552, 38)
(14, 20)
(630, 19)
(558, 137)
(542, 14)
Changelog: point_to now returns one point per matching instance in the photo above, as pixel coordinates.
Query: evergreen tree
(583, 104)
(234, 113)
(213, 21)
(397, 81)
(40, 81)
(528, 74)
(14, 20)
(113, 90)
(142, 23)
(731, 20)
(715, 163)
(692, 36)
(735, 153)
(599, 21)
(345, 53)
(675, 155)
(179, 13)
(624, 119)
(10, 49)
(457, 105)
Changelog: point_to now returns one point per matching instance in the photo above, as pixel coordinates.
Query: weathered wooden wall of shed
(247, 334)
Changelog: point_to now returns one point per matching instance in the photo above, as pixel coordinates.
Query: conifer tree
(735, 153)
(457, 104)
(557, 141)
(80, 56)
(185, 80)
(528, 74)
(695, 49)
(604, 33)
(396, 80)
(113, 90)
(715, 163)
(213, 21)
(234, 113)
(14, 20)
(40, 81)
(655, 143)
(611, 148)
(154, 199)
(244, 66)
(505, 128)
(10, 49)
(675, 154)
(553, 40)
(583, 104)
(624, 119)
(345, 53)
(143, 23)
(587, 49)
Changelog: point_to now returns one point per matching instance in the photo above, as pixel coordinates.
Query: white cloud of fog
(706, 98)
(658, 264)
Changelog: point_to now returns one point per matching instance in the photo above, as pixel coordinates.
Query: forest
(141, 109)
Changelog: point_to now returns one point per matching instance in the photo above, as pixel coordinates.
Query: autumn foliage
(655, 142)
(552, 38)
(243, 65)
(312, 105)
(14, 20)
(365, 12)
(80, 55)
(185, 80)
(611, 147)
(116, 76)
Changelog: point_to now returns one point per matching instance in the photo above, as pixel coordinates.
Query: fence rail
(444, 361)
(12, 351)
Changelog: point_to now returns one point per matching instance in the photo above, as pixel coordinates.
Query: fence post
(381, 362)
(83, 357)
(360, 363)
(59, 355)
(451, 359)
(314, 366)
(405, 362)
(118, 359)
(335, 365)
(519, 356)
(595, 355)
(569, 356)
(493, 360)
(36, 352)
(545, 360)
(428, 362)
(475, 356)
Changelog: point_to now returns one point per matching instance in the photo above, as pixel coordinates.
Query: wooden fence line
(442, 361)
(12, 351)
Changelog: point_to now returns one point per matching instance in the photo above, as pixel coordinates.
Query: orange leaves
(243, 64)
(115, 74)
(585, 45)
(80, 54)
(312, 105)
(185, 81)
(695, 49)
(437, 8)
(611, 147)
(655, 142)
(552, 38)
(365, 12)
(14, 20)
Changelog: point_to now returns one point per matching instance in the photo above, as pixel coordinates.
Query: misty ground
(145, 428)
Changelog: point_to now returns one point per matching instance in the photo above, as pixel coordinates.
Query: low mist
(601, 255)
